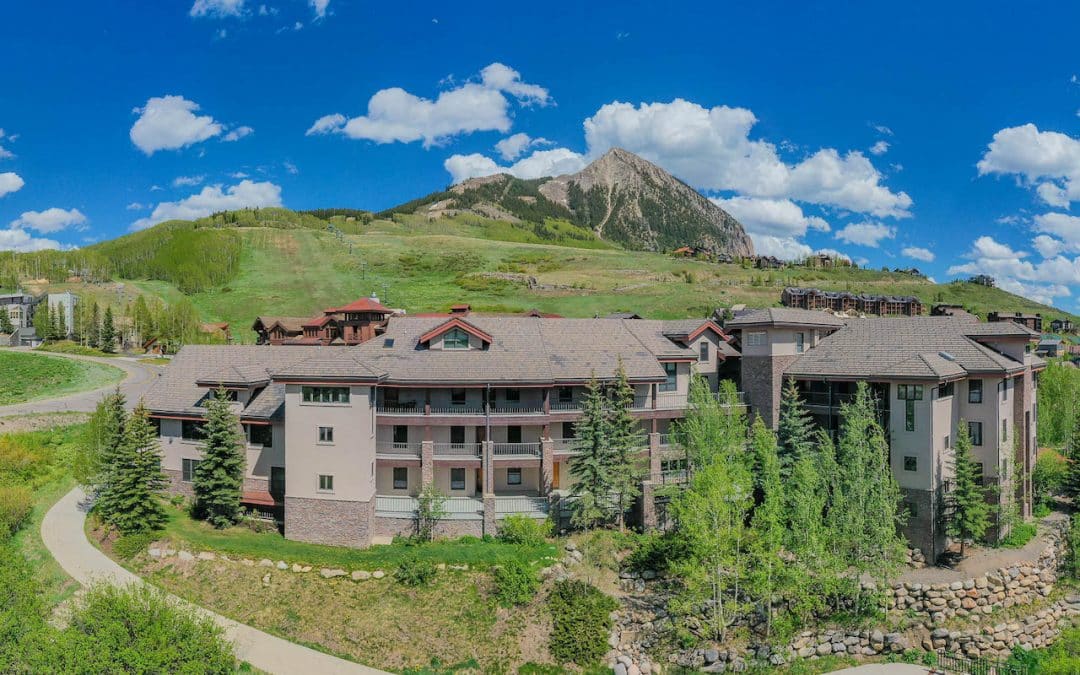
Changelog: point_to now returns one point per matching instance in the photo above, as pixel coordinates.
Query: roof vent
(947, 356)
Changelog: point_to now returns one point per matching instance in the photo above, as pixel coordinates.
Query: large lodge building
(340, 440)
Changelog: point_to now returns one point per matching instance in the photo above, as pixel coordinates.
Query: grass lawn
(243, 542)
(29, 377)
(69, 347)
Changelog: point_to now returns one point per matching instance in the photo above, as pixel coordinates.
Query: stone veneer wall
(404, 527)
(762, 381)
(922, 530)
(176, 485)
(329, 521)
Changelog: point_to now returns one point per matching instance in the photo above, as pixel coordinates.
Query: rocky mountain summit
(620, 197)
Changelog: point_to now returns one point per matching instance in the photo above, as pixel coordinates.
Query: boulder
(206, 555)
(378, 574)
(155, 552)
(282, 566)
(185, 556)
(361, 575)
(266, 563)
(332, 574)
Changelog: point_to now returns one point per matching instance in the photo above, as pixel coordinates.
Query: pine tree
(93, 330)
(6, 327)
(100, 453)
(139, 479)
(591, 467)
(626, 440)
(108, 332)
(61, 322)
(795, 431)
(219, 477)
(968, 513)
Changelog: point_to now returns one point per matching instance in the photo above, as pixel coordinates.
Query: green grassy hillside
(294, 264)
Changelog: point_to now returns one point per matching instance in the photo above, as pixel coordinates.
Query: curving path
(63, 534)
(137, 380)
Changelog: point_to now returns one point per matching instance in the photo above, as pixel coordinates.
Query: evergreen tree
(93, 329)
(139, 479)
(219, 477)
(767, 572)
(61, 322)
(108, 332)
(1070, 484)
(795, 431)
(142, 319)
(626, 440)
(6, 327)
(968, 515)
(100, 453)
(591, 467)
(43, 325)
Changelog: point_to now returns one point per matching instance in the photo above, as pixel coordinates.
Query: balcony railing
(516, 409)
(824, 398)
(663, 401)
(516, 449)
(457, 449)
(456, 508)
(398, 449)
(565, 406)
(520, 504)
(564, 445)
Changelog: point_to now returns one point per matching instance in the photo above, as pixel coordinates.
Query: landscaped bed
(30, 377)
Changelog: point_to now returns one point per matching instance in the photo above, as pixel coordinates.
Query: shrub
(414, 571)
(515, 583)
(1019, 535)
(656, 551)
(130, 545)
(581, 622)
(1050, 470)
(519, 529)
(16, 502)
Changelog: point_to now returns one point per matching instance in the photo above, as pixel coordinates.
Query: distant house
(20, 308)
(844, 301)
(1061, 326)
(624, 315)
(351, 324)
(982, 280)
(1050, 346)
(274, 330)
(766, 262)
(1032, 321)
(64, 302)
(217, 330)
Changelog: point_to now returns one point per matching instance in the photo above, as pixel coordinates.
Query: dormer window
(456, 339)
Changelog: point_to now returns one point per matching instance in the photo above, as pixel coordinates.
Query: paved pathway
(139, 377)
(64, 536)
(884, 669)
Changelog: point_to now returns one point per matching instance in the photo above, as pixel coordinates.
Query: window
(261, 434)
(569, 430)
(911, 463)
(909, 392)
(757, 339)
(391, 397)
(455, 339)
(401, 477)
(156, 423)
(946, 390)
(513, 395)
(975, 431)
(457, 435)
(800, 343)
(326, 434)
(1003, 387)
(187, 472)
(566, 394)
(457, 479)
(401, 434)
(326, 483)
(513, 434)
(703, 351)
(669, 374)
(277, 482)
(226, 394)
(975, 391)
(457, 397)
(909, 415)
(948, 441)
(513, 476)
(324, 394)
(192, 430)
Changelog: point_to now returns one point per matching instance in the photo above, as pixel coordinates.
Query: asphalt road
(139, 377)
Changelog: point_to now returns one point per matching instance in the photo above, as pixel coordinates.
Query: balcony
(515, 450)
(392, 449)
(463, 508)
(533, 507)
(470, 450)
(564, 446)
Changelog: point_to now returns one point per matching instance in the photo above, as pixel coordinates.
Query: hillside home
(350, 324)
(20, 308)
(340, 441)
(928, 373)
(275, 330)
(1061, 326)
(1032, 321)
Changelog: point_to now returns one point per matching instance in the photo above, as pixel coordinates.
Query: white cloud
(1047, 246)
(866, 234)
(1060, 224)
(1047, 160)
(1042, 282)
(10, 182)
(20, 240)
(291, 168)
(778, 217)
(170, 123)
(395, 115)
(882, 129)
(187, 181)
(211, 199)
(237, 133)
(217, 8)
(537, 165)
(49, 220)
(711, 149)
(879, 148)
(785, 248)
(4, 152)
(511, 147)
(320, 7)
(918, 253)
(137, 206)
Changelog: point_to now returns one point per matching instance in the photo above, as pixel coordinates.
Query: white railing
(516, 409)
(521, 504)
(464, 508)
(565, 406)
(457, 410)
(392, 448)
(564, 445)
(400, 408)
(457, 449)
(516, 449)
(456, 508)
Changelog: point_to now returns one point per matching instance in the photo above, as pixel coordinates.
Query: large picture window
(262, 434)
(455, 339)
(975, 391)
(192, 430)
(324, 394)
(401, 477)
(757, 339)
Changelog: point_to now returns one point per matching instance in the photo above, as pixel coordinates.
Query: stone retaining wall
(404, 527)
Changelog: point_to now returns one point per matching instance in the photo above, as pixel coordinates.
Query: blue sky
(915, 134)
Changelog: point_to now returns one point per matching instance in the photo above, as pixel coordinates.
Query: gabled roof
(783, 316)
(362, 305)
(319, 321)
(290, 324)
(242, 375)
(456, 322)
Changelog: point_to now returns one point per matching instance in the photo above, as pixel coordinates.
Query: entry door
(479, 482)
(555, 474)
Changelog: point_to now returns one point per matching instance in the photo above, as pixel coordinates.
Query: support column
(547, 465)
(654, 456)
(491, 524)
(488, 450)
(427, 463)
(648, 506)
